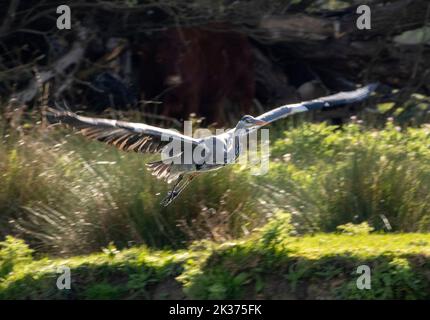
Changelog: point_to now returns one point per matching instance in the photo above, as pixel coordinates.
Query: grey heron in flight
(143, 138)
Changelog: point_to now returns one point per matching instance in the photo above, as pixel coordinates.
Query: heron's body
(179, 163)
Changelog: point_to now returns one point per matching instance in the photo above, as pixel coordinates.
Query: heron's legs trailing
(177, 188)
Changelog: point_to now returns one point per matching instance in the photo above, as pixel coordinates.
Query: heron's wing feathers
(329, 101)
(127, 136)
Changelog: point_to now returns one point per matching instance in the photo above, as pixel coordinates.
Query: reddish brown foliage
(197, 70)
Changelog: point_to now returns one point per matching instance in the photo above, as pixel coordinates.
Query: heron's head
(248, 122)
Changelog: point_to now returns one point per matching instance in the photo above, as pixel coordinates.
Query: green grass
(322, 266)
(328, 176)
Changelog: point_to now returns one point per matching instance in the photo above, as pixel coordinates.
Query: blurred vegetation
(331, 177)
(66, 195)
(69, 195)
(322, 266)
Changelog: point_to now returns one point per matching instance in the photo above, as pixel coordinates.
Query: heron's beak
(260, 122)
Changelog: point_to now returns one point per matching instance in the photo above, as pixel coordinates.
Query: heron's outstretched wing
(127, 136)
(329, 101)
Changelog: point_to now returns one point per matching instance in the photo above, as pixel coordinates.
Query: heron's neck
(238, 144)
(240, 132)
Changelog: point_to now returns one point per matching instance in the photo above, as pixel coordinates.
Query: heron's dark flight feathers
(127, 136)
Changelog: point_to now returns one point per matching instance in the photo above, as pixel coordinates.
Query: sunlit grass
(246, 268)
(360, 246)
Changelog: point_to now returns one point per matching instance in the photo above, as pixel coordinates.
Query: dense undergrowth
(269, 264)
(65, 195)
(331, 177)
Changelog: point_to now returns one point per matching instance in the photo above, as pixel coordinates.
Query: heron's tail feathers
(165, 170)
(171, 168)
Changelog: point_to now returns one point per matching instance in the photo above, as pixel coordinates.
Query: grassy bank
(269, 264)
